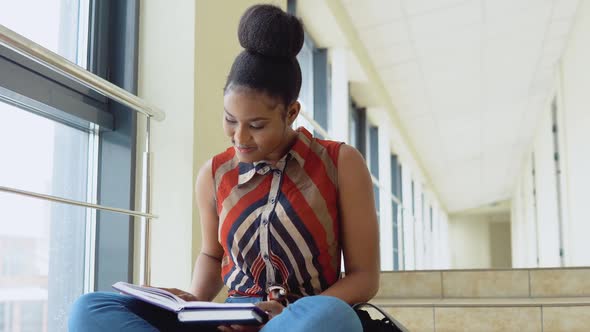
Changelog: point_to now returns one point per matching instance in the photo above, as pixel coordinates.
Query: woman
(277, 208)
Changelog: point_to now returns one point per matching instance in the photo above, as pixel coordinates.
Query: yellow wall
(186, 51)
(480, 241)
(166, 79)
(216, 46)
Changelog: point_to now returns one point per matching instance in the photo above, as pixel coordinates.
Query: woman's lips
(244, 149)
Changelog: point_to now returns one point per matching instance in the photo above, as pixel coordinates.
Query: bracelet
(277, 293)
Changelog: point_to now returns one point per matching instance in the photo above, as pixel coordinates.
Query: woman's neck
(286, 145)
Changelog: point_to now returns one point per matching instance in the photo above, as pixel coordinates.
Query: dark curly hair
(271, 40)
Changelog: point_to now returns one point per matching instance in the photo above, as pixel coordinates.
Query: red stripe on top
(316, 170)
(245, 201)
(222, 158)
(224, 188)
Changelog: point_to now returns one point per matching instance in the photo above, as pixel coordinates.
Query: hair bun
(268, 30)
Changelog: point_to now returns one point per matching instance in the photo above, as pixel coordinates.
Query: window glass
(42, 243)
(58, 25)
(305, 58)
(396, 249)
(374, 151)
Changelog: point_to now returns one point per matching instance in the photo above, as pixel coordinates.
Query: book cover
(196, 311)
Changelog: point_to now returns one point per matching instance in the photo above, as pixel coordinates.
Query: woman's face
(258, 125)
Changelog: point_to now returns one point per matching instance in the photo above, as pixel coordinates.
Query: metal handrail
(76, 203)
(40, 54)
(316, 126)
(57, 63)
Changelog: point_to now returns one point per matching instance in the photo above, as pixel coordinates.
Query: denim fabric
(112, 312)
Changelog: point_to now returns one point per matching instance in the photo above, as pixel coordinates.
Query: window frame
(113, 55)
(113, 35)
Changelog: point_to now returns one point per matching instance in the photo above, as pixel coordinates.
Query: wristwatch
(278, 293)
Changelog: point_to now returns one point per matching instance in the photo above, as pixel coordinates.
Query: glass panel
(394, 210)
(376, 193)
(413, 200)
(431, 220)
(352, 128)
(42, 243)
(374, 150)
(305, 58)
(58, 25)
(32, 316)
(3, 314)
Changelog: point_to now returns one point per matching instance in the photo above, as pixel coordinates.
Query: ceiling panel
(564, 9)
(451, 43)
(558, 29)
(400, 72)
(380, 36)
(467, 124)
(416, 7)
(370, 13)
(392, 55)
(446, 20)
(469, 79)
(502, 8)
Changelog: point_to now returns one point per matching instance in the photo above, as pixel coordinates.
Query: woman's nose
(241, 135)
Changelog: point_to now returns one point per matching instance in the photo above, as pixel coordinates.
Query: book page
(163, 298)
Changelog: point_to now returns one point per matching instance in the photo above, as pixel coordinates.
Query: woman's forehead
(250, 101)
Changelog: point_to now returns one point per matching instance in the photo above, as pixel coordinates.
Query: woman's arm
(359, 230)
(206, 281)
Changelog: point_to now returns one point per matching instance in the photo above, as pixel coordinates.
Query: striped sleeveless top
(280, 224)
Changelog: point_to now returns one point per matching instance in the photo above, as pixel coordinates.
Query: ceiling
(468, 79)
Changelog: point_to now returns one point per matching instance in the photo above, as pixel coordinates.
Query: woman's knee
(85, 309)
(318, 313)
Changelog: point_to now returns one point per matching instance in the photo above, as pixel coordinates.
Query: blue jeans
(113, 312)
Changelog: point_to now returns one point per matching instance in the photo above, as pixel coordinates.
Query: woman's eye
(230, 121)
(256, 126)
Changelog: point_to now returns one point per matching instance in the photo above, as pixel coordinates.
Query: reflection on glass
(58, 25)
(42, 244)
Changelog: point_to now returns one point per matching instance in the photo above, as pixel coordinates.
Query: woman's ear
(293, 112)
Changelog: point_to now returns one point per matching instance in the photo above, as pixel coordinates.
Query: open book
(196, 311)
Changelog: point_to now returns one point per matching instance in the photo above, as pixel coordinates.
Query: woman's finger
(245, 328)
(273, 308)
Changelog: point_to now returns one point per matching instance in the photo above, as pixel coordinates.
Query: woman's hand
(239, 328)
(180, 293)
(272, 308)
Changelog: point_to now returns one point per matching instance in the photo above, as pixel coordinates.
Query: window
(3, 321)
(374, 161)
(321, 88)
(357, 128)
(57, 138)
(431, 219)
(305, 58)
(58, 25)
(315, 87)
(558, 180)
(401, 214)
(422, 207)
(535, 208)
(413, 198)
(395, 211)
(32, 316)
(43, 243)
